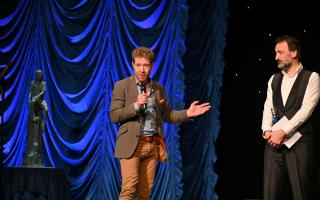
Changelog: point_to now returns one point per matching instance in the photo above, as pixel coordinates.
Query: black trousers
(290, 173)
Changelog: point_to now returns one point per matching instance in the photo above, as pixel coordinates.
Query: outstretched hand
(195, 110)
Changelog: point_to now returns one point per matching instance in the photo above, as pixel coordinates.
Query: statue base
(33, 153)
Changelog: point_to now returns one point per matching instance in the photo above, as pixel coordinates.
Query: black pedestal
(50, 183)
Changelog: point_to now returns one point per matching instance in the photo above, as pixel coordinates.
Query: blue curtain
(204, 64)
(83, 48)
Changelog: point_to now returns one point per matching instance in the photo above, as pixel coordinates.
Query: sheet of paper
(293, 139)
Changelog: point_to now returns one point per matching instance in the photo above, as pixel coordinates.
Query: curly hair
(143, 52)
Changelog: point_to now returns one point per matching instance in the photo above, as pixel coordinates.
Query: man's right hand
(277, 138)
(142, 99)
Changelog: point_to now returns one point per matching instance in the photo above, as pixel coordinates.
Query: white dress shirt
(309, 102)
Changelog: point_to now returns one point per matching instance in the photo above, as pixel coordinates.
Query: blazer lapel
(132, 90)
(157, 98)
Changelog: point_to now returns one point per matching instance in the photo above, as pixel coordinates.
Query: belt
(149, 139)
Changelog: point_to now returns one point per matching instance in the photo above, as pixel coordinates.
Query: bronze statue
(36, 98)
(38, 113)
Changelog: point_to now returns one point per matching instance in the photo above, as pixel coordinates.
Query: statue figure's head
(38, 75)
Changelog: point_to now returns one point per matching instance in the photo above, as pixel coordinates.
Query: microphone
(143, 89)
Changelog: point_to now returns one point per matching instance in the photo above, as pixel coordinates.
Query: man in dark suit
(290, 172)
(140, 105)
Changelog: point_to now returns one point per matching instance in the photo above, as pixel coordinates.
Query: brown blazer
(122, 111)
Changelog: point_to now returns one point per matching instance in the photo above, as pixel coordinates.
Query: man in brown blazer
(140, 106)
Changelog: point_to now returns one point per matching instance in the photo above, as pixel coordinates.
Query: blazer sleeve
(169, 115)
(120, 110)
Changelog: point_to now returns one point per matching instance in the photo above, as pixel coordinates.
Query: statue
(38, 110)
(37, 90)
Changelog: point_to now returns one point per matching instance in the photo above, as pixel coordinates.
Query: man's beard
(284, 65)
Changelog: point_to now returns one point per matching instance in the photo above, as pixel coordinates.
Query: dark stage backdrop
(83, 48)
(249, 56)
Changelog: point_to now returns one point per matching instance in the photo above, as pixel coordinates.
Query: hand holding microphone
(143, 99)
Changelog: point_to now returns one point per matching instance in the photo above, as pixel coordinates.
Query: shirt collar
(295, 73)
(139, 83)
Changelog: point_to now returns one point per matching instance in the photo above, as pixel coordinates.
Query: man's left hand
(277, 138)
(196, 110)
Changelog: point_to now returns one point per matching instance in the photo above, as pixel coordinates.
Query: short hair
(38, 71)
(143, 52)
(293, 43)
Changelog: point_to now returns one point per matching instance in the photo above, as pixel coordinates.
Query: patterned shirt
(148, 120)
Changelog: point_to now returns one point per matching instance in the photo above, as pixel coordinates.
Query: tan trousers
(138, 172)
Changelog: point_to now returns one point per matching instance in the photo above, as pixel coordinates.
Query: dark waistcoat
(295, 98)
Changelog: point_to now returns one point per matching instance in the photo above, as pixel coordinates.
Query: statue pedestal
(50, 183)
(33, 154)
